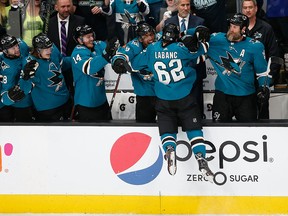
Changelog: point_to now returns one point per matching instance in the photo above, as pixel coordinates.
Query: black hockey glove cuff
(30, 69)
(15, 93)
(190, 42)
(111, 48)
(119, 66)
(202, 33)
(263, 94)
(142, 7)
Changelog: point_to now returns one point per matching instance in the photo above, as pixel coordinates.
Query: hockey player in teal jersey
(237, 60)
(143, 88)
(5, 111)
(127, 14)
(14, 50)
(169, 62)
(89, 58)
(43, 77)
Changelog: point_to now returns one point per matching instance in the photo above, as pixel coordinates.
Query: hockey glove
(1, 78)
(146, 74)
(263, 94)
(30, 69)
(15, 93)
(111, 48)
(141, 6)
(121, 66)
(190, 42)
(202, 33)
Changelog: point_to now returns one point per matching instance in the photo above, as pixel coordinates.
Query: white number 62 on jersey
(176, 73)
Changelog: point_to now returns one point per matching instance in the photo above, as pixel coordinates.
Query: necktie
(63, 38)
(183, 27)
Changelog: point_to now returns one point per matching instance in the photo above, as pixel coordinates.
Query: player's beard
(232, 36)
(13, 55)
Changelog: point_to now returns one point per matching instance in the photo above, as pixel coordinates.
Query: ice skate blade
(171, 163)
(209, 178)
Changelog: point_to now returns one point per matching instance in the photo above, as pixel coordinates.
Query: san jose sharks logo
(257, 35)
(55, 79)
(231, 65)
(4, 65)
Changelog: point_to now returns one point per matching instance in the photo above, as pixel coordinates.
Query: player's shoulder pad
(100, 45)
(80, 47)
(180, 44)
(4, 65)
(134, 42)
(21, 42)
(81, 50)
(217, 36)
(30, 57)
(158, 36)
(190, 31)
(98, 42)
(152, 44)
(255, 43)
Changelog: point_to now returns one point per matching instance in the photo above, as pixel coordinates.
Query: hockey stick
(114, 92)
(271, 60)
(47, 18)
(133, 23)
(22, 7)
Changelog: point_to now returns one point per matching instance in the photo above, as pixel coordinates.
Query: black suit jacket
(53, 32)
(193, 22)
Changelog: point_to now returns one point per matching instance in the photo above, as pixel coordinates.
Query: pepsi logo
(133, 158)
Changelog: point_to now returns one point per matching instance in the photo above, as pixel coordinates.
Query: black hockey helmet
(239, 19)
(82, 30)
(143, 28)
(7, 41)
(41, 41)
(170, 33)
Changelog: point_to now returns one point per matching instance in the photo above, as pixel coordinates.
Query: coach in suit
(185, 20)
(64, 21)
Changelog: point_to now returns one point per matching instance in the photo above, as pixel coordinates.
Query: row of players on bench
(40, 91)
